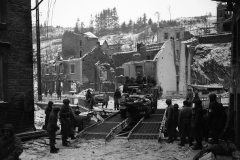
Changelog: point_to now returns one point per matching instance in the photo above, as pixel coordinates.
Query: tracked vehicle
(139, 99)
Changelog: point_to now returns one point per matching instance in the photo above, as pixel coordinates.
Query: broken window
(139, 69)
(72, 68)
(178, 35)
(80, 43)
(47, 70)
(165, 35)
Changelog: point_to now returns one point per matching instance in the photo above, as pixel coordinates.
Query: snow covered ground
(117, 149)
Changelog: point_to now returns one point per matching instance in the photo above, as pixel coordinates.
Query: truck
(139, 99)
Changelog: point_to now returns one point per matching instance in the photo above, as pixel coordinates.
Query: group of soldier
(194, 122)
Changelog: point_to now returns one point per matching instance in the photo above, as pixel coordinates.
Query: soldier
(205, 125)
(117, 95)
(48, 110)
(89, 99)
(66, 118)
(223, 117)
(196, 124)
(189, 95)
(176, 113)
(52, 127)
(139, 79)
(10, 145)
(214, 114)
(170, 120)
(184, 123)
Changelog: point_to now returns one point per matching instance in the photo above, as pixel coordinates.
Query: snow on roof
(190, 40)
(101, 42)
(137, 62)
(208, 86)
(161, 50)
(90, 35)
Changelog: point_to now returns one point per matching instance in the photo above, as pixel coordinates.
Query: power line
(37, 5)
(53, 11)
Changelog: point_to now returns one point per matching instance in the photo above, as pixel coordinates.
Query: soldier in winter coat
(48, 110)
(170, 120)
(66, 119)
(176, 113)
(117, 95)
(184, 123)
(214, 115)
(196, 124)
(10, 145)
(205, 125)
(52, 128)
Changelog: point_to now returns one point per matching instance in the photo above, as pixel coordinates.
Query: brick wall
(16, 44)
(220, 38)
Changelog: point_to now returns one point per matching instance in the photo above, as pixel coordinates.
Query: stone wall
(219, 38)
(89, 62)
(71, 44)
(16, 48)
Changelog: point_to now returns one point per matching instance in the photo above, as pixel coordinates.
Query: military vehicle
(139, 99)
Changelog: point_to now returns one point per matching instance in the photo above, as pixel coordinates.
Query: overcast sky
(66, 12)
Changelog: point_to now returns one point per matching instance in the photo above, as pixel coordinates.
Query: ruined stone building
(165, 33)
(75, 74)
(77, 45)
(16, 65)
(224, 18)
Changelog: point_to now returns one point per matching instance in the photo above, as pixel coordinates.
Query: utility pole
(38, 54)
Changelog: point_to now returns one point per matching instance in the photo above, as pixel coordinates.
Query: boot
(65, 144)
(169, 140)
(57, 149)
(197, 147)
(73, 137)
(181, 144)
(53, 150)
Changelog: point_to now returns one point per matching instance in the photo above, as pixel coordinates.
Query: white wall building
(166, 33)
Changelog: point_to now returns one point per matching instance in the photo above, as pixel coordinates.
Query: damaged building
(75, 74)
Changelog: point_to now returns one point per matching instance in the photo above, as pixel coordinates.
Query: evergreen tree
(144, 19)
(150, 22)
(123, 27)
(130, 24)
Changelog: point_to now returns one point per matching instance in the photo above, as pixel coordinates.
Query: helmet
(8, 127)
(168, 101)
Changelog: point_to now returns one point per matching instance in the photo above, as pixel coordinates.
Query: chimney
(98, 45)
(138, 47)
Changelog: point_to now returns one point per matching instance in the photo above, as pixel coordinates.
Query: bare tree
(158, 16)
(169, 10)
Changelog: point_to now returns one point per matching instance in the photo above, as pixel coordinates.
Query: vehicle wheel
(147, 114)
(123, 113)
(153, 110)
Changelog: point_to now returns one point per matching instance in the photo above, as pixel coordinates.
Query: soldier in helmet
(66, 119)
(184, 123)
(214, 115)
(10, 145)
(170, 120)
